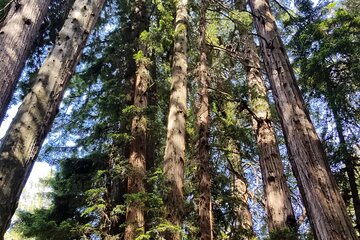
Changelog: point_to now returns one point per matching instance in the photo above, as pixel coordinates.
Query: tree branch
(285, 9)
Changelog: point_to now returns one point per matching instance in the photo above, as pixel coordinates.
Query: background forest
(175, 124)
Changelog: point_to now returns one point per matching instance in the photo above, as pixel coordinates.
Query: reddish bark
(320, 195)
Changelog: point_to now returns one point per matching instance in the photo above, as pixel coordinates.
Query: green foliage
(284, 234)
(326, 52)
(353, 6)
(212, 31)
(65, 218)
(37, 224)
(160, 35)
(4, 8)
(92, 134)
(329, 59)
(140, 57)
(242, 19)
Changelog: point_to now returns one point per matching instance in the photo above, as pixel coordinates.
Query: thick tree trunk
(279, 210)
(175, 141)
(135, 212)
(277, 194)
(202, 120)
(137, 161)
(241, 194)
(321, 197)
(17, 34)
(23, 140)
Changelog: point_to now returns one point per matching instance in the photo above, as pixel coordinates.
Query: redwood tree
(17, 33)
(175, 140)
(135, 212)
(321, 197)
(22, 142)
(279, 211)
(202, 120)
(240, 192)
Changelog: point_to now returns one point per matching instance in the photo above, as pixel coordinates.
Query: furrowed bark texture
(320, 195)
(277, 194)
(202, 119)
(17, 34)
(240, 192)
(137, 161)
(175, 141)
(278, 206)
(23, 140)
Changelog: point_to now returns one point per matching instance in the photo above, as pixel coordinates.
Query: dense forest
(182, 119)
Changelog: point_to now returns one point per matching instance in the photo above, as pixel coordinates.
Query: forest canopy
(186, 119)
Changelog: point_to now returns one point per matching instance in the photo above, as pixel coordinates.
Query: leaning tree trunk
(240, 193)
(320, 194)
(175, 140)
(202, 120)
(137, 161)
(17, 34)
(278, 206)
(23, 140)
(277, 194)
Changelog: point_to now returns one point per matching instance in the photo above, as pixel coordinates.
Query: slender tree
(17, 34)
(279, 210)
(240, 192)
(349, 161)
(202, 120)
(175, 140)
(135, 212)
(321, 197)
(23, 140)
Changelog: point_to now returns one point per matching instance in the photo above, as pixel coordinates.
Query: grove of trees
(182, 119)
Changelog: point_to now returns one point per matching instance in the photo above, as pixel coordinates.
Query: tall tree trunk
(279, 210)
(175, 140)
(277, 194)
(202, 120)
(240, 192)
(23, 140)
(152, 141)
(135, 212)
(320, 194)
(17, 34)
(349, 164)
